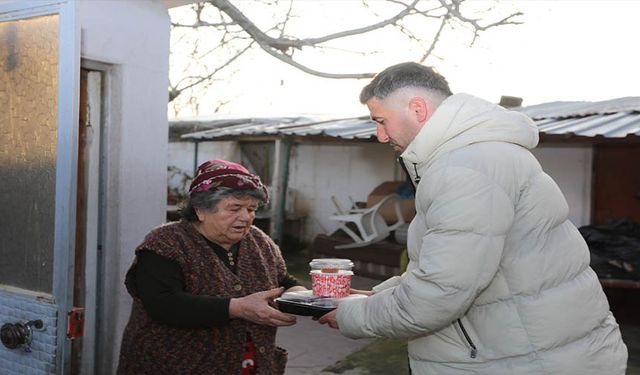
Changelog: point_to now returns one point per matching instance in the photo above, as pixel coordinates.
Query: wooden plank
(620, 283)
(617, 183)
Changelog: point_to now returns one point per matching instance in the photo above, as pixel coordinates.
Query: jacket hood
(462, 120)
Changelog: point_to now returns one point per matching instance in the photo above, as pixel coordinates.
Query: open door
(39, 75)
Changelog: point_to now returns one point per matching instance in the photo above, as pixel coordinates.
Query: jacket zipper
(406, 171)
(474, 350)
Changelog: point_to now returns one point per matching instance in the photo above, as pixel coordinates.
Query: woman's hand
(297, 288)
(256, 308)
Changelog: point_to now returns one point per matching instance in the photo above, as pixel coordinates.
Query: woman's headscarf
(214, 174)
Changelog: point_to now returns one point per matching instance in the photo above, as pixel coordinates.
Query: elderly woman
(203, 287)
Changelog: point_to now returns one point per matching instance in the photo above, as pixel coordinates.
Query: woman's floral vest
(150, 347)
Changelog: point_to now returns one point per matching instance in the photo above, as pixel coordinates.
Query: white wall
(571, 168)
(350, 172)
(133, 37)
(319, 171)
(181, 156)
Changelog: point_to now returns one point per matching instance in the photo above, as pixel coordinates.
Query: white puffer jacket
(498, 280)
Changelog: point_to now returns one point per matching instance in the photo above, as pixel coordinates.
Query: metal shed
(611, 128)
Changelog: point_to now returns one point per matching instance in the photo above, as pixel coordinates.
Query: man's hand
(330, 319)
(257, 308)
(358, 291)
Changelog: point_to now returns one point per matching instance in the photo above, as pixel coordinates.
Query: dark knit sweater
(161, 288)
(153, 347)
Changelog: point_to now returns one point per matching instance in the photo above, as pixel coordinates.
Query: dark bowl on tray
(306, 304)
(304, 309)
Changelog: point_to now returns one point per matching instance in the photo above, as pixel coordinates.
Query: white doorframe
(97, 88)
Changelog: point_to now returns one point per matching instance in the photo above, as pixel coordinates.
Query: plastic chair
(370, 224)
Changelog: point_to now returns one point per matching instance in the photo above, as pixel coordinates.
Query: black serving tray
(302, 308)
(304, 303)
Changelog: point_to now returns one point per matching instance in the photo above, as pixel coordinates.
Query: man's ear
(419, 109)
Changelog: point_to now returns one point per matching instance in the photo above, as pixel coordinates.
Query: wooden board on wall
(616, 183)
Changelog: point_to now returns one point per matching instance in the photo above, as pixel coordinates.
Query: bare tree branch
(272, 45)
(175, 91)
(435, 39)
(454, 10)
(235, 27)
(201, 23)
(284, 44)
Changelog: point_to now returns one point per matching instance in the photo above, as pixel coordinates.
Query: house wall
(347, 172)
(182, 160)
(570, 167)
(318, 172)
(350, 172)
(133, 38)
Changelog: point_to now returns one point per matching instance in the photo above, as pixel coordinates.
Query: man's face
(394, 123)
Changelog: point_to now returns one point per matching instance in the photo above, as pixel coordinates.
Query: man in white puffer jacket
(498, 280)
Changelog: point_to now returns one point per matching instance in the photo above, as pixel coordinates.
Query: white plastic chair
(371, 225)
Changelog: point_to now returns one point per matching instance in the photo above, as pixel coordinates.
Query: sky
(567, 50)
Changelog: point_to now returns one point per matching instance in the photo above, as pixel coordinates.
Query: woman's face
(229, 221)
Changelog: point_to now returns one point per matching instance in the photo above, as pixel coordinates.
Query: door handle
(19, 334)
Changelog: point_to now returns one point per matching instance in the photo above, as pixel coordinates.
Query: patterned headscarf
(213, 174)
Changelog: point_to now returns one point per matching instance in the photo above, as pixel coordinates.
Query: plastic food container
(304, 303)
(331, 277)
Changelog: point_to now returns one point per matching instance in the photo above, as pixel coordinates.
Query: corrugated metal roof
(617, 125)
(581, 109)
(351, 128)
(615, 118)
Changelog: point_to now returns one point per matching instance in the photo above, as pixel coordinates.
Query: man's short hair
(408, 74)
